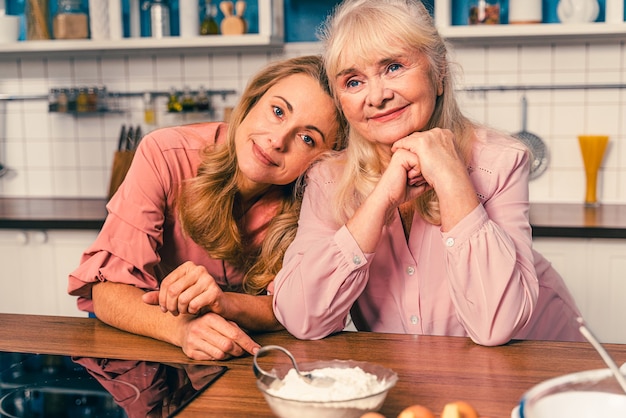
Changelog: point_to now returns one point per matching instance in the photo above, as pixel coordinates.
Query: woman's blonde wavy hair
(368, 29)
(209, 206)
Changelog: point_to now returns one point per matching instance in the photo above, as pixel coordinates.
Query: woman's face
(387, 98)
(291, 124)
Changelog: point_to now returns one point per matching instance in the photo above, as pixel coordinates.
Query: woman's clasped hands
(422, 160)
(192, 293)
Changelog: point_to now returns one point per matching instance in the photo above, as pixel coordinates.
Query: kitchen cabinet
(528, 33)
(269, 37)
(594, 272)
(35, 266)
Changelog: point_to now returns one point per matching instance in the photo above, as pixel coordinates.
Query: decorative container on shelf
(578, 11)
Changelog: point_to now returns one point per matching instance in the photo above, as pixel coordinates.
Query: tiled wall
(67, 156)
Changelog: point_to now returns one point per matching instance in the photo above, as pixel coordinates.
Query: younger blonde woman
(205, 214)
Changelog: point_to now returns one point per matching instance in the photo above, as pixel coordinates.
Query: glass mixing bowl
(587, 394)
(346, 408)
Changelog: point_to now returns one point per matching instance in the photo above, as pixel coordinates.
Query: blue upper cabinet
(303, 17)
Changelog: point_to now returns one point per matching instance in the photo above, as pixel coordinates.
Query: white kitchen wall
(62, 155)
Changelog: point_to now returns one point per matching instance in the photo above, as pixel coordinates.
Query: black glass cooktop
(43, 385)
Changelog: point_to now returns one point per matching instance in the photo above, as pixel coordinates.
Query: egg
(416, 411)
(459, 409)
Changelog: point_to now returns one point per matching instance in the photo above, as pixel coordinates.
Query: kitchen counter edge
(547, 219)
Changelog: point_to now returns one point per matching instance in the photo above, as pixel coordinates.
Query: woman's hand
(189, 289)
(436, 161)
(211, 337)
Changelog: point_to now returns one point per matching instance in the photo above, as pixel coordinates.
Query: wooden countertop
(578, 221)
(547, 219)
(52, 213)
(432, 370)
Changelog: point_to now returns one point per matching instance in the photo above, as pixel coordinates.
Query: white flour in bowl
(350, 383)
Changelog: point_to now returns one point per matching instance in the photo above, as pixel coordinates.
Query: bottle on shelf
(81, 100)
(484, 12)
(209, 24)
(159, 17)
(103, 99)
(72, 93)
(92, 99)
(173, 104)
(202, 100)
(187, 102)
(62, 101)
(149, 116)
(53, 100)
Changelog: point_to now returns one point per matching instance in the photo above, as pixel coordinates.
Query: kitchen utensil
(315, 402)
(592, 149)
(233, 24)
(268, 378)
(538, 149)
(586, 332)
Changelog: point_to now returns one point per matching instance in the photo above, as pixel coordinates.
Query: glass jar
(70, 21)
(484, 12)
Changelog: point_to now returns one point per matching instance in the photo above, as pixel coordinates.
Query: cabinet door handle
(21, 237)
(40, 237)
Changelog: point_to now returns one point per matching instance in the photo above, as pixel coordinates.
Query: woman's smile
(388, 115)
(262, 156)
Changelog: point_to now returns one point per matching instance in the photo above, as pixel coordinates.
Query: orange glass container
(592, 148)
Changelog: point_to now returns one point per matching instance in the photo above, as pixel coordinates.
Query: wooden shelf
(527, 33)
(537, 33)
(269, 38)
(146, 46)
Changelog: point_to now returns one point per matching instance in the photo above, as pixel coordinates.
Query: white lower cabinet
(35, 265)
(595, 272)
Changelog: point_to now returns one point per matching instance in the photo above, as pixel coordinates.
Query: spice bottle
(72, 93)
(202, 100)
(70, 21)
(149, 116)
(187, 101)
(92, 100)
(53, 100)
(102, 99)
(173, 104)
(62, 101)
(81, 100)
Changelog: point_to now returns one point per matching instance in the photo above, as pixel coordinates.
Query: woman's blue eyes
(393, 67)
(308, 140)
(278, 112)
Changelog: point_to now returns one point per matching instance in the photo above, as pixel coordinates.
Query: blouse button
(410, 270)
(450, 242)
(356, 260)
(414, 319)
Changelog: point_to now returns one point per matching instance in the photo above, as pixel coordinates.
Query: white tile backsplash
(67, 156)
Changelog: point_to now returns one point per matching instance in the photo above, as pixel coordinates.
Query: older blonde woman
(421, 225)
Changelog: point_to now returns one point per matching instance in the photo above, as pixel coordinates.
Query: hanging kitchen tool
(538, 149)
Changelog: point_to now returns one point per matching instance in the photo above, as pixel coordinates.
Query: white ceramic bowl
(9, 28)
(349, 408)
(588, 394)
